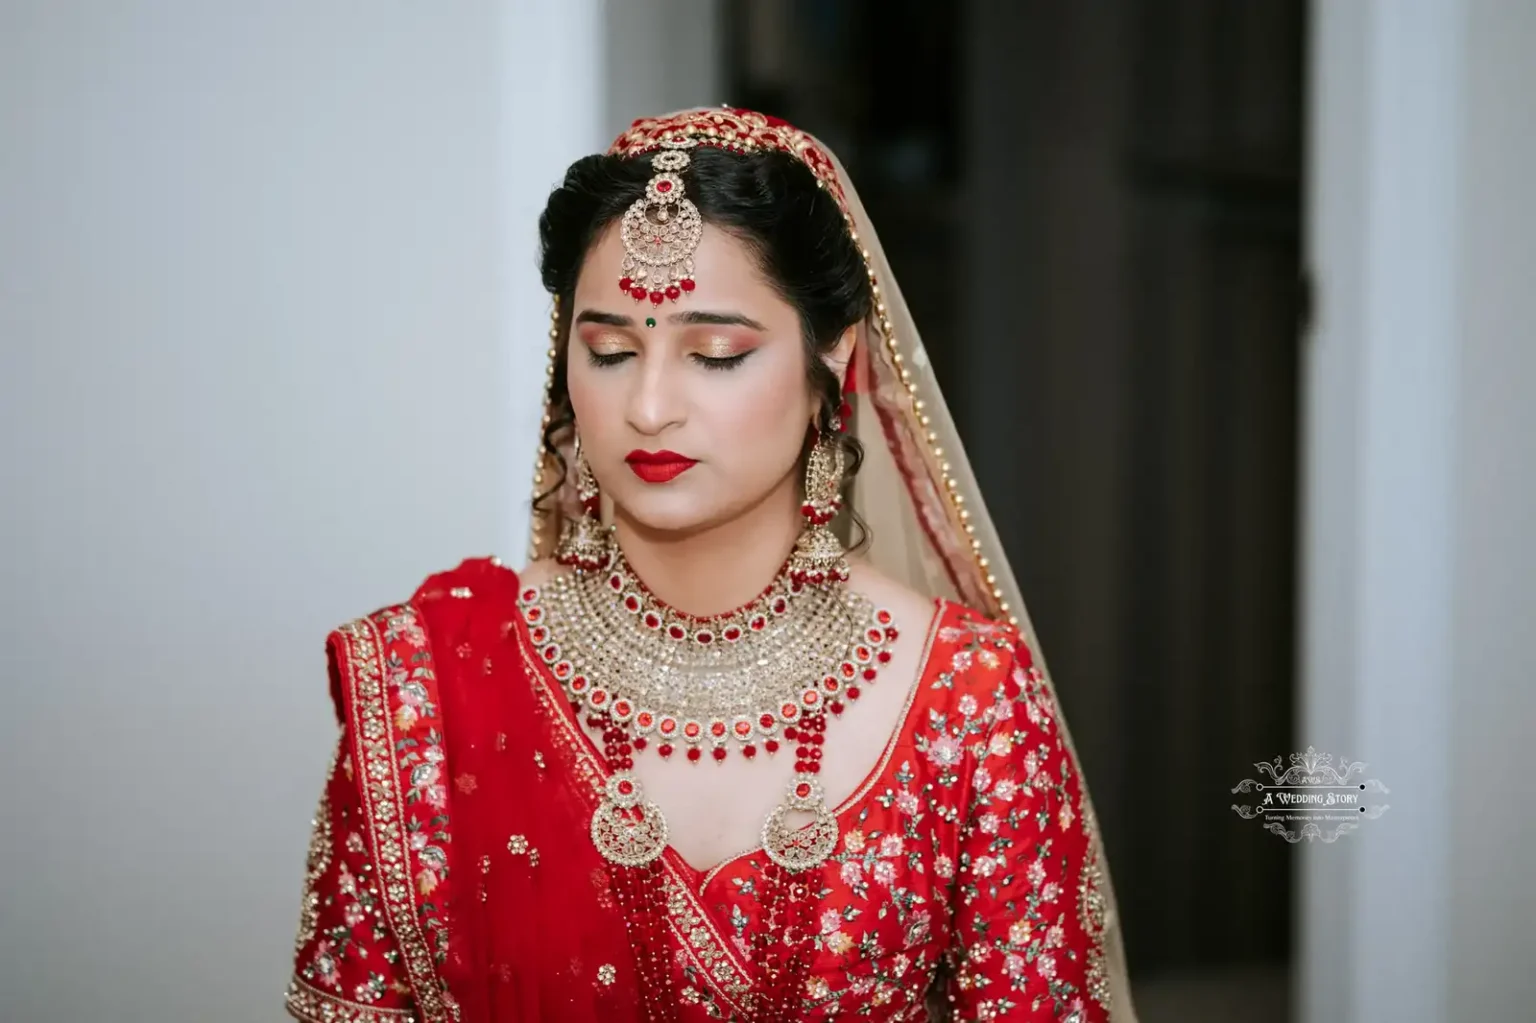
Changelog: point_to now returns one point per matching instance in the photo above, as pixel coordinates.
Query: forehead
(726, 268)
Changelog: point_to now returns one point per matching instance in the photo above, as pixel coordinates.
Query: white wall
(1492, 818)
(272, 337)
(660, 56)
(1420, 586)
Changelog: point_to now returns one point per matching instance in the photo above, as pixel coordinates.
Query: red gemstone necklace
(650, 676)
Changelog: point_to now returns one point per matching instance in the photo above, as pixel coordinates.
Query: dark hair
(769, 200)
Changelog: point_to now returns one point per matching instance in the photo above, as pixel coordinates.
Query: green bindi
(650, 321)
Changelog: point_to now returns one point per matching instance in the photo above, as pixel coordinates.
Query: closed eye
(607, 358)
(728, 362)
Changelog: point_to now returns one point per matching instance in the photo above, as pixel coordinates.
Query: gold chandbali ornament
(650, 676)
(819, 556)
(661, 231)
(585, 543)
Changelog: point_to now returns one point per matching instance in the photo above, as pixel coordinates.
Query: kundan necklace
(649, 676)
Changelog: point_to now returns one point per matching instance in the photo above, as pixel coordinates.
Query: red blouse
(965, 880)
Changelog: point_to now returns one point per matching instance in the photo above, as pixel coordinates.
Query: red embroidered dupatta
(451, 875)
(534, 920)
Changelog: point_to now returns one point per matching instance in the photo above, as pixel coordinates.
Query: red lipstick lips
(658, 466)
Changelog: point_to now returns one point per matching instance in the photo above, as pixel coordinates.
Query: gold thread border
(384, 806)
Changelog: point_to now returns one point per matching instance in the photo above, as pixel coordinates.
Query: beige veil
(929, 526)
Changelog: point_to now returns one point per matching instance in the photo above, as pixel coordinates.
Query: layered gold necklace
(650, 676)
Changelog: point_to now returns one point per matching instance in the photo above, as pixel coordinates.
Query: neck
(716, 568)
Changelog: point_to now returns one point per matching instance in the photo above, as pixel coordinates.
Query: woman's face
(691, 422)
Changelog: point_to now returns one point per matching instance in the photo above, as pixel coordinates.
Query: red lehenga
(453, 876)
(964, 876)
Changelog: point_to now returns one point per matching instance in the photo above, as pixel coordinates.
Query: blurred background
(1231, 302)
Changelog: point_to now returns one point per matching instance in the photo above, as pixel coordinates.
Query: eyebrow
(692, 318)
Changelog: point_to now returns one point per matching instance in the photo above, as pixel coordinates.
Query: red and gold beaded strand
(638, 885)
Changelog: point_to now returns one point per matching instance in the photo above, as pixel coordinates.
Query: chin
(674, 512)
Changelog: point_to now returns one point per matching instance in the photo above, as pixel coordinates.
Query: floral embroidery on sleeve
(345, 964)
(1023, 950)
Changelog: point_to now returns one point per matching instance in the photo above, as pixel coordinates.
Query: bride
(761, 731)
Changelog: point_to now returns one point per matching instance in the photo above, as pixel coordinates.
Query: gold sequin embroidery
(314, 1006)
(1092, 907)
(319, 859)
(384, 805)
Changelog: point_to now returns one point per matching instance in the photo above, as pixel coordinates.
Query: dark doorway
(1095, 211)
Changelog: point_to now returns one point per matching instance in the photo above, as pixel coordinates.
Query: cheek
(758, 429)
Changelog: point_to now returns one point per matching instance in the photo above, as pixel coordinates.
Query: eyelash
(729, 362)
(611, 359)
(614, 358)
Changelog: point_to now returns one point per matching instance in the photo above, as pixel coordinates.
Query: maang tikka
(819, 556)
(585, 543)
(661, 231)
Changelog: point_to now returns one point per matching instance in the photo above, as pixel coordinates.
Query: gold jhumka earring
(819, 556)
(585, 543)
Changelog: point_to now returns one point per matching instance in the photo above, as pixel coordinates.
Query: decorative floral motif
(955, 849)
(373, 929)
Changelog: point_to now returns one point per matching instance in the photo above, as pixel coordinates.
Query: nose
(655, 401)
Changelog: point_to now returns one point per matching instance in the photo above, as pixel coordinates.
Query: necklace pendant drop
(627, 829)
